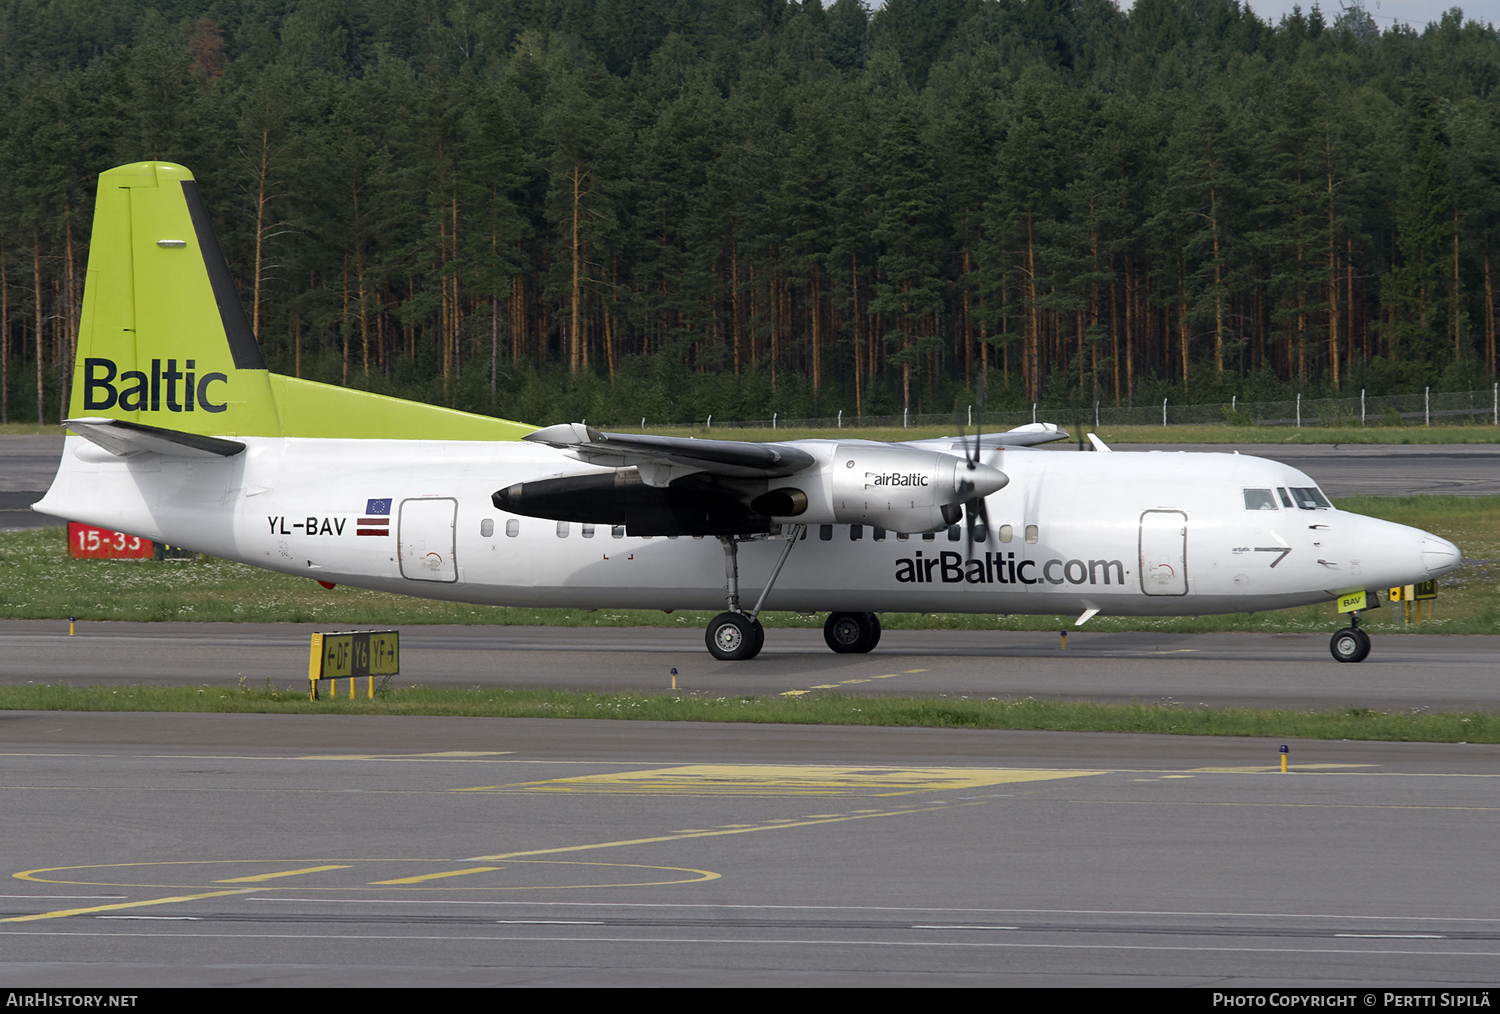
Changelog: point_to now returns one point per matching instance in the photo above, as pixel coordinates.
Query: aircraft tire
(734, 637)
(1364, 641)
(851, 633)
(1349, 645)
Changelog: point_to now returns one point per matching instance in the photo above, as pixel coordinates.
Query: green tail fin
(164, 341)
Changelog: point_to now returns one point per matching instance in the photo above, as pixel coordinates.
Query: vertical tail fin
(163, 339)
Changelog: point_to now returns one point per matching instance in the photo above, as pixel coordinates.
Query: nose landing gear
(1350, 644)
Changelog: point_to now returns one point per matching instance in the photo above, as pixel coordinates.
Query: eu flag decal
(378, 523)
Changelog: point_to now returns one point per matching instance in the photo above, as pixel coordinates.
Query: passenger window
(1031, 534)
(856, 532)
(1007, 533)
(955, 533)
(616, 531)
(487, 527)
(878, 534)
(929, 536)
(902, 537)
(512, 528)
(1259, 500)
(562, 529)
(588, 531)
(1286, 501)
(825, 532)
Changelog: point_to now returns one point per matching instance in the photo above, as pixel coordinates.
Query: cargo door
(1164, 552)
(426, 539)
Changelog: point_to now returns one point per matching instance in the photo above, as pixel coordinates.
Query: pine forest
(618, 210)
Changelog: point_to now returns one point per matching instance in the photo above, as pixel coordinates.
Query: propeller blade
(976, 524)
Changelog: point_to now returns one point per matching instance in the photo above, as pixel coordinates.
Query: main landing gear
(1350, 644)
(736, 635)
(852, 633)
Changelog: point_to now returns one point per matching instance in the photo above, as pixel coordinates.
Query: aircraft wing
(1021, 436)
(662, 459)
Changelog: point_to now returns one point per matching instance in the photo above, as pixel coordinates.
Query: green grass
(39, 581)
(941, 712)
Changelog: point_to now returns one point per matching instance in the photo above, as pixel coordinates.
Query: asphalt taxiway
(148, 850)
(1413, 671)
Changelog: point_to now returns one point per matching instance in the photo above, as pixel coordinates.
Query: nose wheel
(1350, 644)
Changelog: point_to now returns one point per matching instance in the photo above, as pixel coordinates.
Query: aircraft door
(426, 539)
(1164, 552)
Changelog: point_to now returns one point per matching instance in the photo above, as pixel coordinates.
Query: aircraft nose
(1439, 555)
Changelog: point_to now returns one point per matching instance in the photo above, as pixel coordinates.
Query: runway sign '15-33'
(341, 654)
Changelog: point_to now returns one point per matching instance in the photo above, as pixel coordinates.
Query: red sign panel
(88, 542)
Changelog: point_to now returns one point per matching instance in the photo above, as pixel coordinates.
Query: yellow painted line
(854, 681)
(792, 693)
(709, 834)
(283, 873)
(887, 676)
(439, 876)
(915, 670)
(129, 904)
(826, 686)
(785, 779)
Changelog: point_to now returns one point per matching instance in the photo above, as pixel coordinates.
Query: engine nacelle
(902, 489)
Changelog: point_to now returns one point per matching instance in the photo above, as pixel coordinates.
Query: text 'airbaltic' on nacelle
(902, 489)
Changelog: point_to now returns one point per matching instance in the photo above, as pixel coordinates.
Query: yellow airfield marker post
(1284, 752)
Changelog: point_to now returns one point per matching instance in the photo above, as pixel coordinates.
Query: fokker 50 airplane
(178, 432)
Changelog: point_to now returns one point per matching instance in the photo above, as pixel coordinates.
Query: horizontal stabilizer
(735, 458)
(124, 438)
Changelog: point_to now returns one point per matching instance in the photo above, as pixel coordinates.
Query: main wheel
(1349, 645)
(851, 633)
(734, 637)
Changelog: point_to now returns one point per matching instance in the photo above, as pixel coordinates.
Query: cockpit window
(1310, 498)
(1259, 500)
(1286, 501)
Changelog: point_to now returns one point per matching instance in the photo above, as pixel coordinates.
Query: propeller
(976, 517)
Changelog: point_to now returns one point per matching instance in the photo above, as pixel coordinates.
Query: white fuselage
(1155, 533)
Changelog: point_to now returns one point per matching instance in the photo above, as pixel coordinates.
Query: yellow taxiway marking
(128, 904)
(854, 681)
(283, 873)
(831, 686)
(915, 670)
(866, 815)
(439, 876)
(791, 693)
(783, 780)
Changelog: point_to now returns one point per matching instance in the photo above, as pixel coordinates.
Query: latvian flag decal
(379, 520)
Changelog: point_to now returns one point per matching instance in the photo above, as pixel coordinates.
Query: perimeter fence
(1423, 408)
